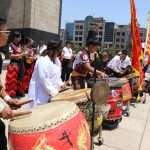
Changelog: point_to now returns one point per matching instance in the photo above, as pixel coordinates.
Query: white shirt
(45, 81)
(67, 53)
(116, 64)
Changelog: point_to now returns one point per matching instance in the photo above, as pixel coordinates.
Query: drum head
(44, 117)
(75, 96)
(117, 82)
(100, 92)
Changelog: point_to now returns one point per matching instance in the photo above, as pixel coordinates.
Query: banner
(136, 44)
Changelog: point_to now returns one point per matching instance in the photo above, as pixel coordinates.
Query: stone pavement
(133, 132)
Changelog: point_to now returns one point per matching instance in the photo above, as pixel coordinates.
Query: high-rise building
(109, 35)
(36, 18)
(69, 31)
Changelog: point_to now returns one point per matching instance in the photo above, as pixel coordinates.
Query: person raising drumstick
(6, 101)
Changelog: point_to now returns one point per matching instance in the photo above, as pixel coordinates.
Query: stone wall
(36, 14)
(45, 15)
(19, 14)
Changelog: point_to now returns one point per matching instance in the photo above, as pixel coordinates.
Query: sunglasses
(7, 32)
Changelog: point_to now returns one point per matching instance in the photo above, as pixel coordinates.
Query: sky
(117, 11)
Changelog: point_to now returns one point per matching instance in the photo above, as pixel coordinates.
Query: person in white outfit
(120, 65)
(46, 78)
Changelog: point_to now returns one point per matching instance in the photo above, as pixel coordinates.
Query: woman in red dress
(15, 70)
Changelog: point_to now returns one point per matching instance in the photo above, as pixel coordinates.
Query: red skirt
(12, 84)
(27, 77)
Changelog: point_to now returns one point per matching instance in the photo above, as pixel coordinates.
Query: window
(100, 33)
(122, 40)
(76, 33)
(100, 39)
(76, 38)
(80, 38)
(123, 33)
(118, 33)
(77, 27)
(80, 33)
(117, 46)
(117, 40)
(81, 27)
(122, 46)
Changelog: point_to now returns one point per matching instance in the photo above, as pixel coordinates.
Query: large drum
(55, 126)
(122, 84)
(81, 98)
(134, 83)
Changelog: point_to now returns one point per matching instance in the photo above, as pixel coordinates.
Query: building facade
(36, 18)
(82, 27)
(109, 34)
(122, 37)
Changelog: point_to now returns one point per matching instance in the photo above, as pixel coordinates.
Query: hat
(54, 45)
(92, 38)
(92, 41)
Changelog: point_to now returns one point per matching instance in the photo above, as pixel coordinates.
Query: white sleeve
(113, 64)
(44, 80)
(2, 105)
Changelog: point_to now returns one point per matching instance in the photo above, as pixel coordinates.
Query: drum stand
(92, 131)
(93, 114)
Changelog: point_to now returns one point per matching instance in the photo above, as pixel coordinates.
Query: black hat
(54, 45)
(92, 42)
(92, 38)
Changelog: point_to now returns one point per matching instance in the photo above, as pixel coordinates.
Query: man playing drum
(82, 66)
(46, 78)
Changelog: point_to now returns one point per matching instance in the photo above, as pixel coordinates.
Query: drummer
(82, 65)
(120, 65)
(46, 78)
(5, 110)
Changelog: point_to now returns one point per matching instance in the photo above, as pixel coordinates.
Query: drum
(134, 83)
(80, 97)
(54, 126)
(121, 84)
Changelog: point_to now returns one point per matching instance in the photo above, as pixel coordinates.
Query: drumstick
(17, 113)
(23, 102)
(65, 89)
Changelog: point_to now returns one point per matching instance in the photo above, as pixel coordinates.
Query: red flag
(147, 45)
(136, 44)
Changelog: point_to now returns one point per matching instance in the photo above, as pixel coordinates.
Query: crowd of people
(42, 71)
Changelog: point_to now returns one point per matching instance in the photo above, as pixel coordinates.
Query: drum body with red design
(55, 126)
